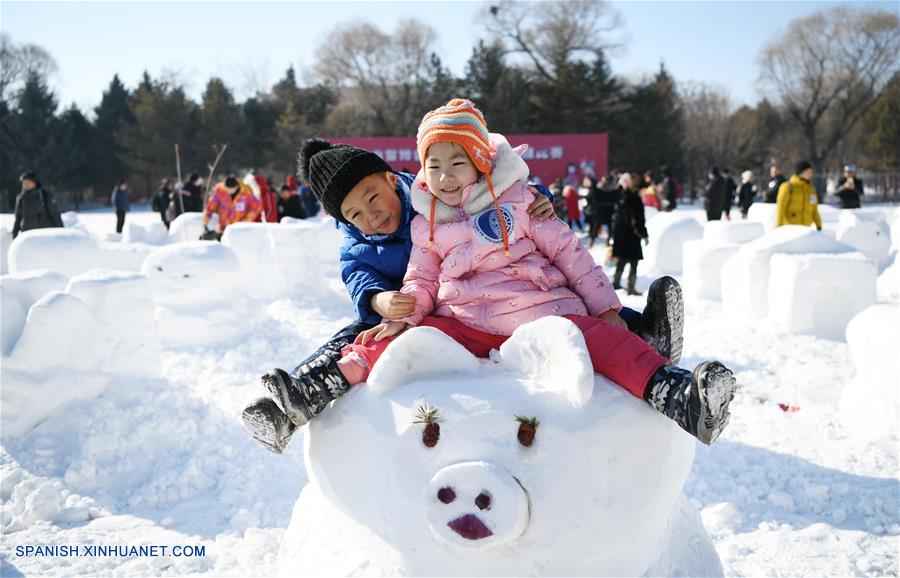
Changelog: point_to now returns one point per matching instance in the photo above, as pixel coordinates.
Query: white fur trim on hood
(508, 169)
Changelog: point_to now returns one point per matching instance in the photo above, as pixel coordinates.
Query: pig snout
(476, 504)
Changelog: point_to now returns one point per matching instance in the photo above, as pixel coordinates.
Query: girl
(479, 267)
(629, 230)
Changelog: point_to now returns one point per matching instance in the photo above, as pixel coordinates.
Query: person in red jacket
(573, 215)
(233, 202)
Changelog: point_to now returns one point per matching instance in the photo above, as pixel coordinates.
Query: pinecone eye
(527, 429)
(431, 433)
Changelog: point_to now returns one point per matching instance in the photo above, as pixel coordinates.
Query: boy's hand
(541, 208)
(612, 317)
(392, 304)
(380, 331)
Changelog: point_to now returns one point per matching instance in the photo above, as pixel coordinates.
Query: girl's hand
(392, 304)
(612, 317)
(380, 331)
(541, 208)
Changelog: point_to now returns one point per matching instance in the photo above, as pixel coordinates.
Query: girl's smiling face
(448, 171)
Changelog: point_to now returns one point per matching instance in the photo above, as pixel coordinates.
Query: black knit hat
(332, 170)
(801, 166)
(28, 176)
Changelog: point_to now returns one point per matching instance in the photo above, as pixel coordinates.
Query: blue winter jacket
(120, 199)
(378, 263)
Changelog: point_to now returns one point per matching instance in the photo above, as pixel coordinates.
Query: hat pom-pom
(308, 149)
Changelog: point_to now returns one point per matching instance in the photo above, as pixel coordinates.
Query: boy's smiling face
(373, 206)
(448, 171)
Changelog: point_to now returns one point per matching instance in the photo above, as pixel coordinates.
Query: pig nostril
(446, 495)
(483, 501)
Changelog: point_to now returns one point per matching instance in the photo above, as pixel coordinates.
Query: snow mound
(866, 234)
(380, 502)
(889, 283)
(188, 227)
(871, 402)
(153, 233)
(199, 295)
(818, 294)
(764, 213)
(123, 305)
(668, 234)
(125, 256)
(704, 259)
(253, 245)
(5, 240)
(66, 251)
(894, 224)
(30, 286)
(746, 275)
(12, 319)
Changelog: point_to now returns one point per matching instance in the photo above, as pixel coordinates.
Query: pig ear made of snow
(552, 353)
(420, 353)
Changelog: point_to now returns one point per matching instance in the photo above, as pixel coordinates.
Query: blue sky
(251, 44)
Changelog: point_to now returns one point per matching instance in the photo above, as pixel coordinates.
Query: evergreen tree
(257, 140)
(32, 127)
(881, 130)
(220, 119)
(10, 160)
(78, 152)
(111, 113)
(500, 91)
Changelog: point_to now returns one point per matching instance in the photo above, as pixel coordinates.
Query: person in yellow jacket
(798, 203)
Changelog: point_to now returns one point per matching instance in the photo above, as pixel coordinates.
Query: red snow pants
(616, 353)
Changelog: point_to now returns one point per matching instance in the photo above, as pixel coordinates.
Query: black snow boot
(306, 393)
(662, 322)
(697, 402)
(268, 425)
(632, 279)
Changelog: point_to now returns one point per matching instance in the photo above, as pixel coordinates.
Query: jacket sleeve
(543, 190)
(53, 211)
(421, 281)
(17, 224)
(559, 244)
(782, 203)
(362, 281)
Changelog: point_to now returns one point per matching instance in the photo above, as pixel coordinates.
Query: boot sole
(671, 315)
(263, 430)
(715, 385)
(277, 383)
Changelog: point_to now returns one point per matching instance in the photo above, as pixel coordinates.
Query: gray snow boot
(697, 402)
(662, 322)
(268, 425)
(309, 391)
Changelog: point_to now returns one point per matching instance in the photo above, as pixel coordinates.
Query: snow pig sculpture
(598, 492)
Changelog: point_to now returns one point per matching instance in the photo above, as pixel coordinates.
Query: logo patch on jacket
(487, 224)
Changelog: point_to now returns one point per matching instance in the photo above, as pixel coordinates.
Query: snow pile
(279, 259)
(746, 275)
(668, 234)
(189, 226)
(153, 233)
(66, 251)
(5, 240)
(199, 295)
(894, 225)
(70, 343)
(871, 402)
(598, 492)
(31, 499)
(703, 259)
(889, 283)
(866, 234)
(819, 294)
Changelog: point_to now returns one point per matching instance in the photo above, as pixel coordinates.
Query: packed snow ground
(166, 460)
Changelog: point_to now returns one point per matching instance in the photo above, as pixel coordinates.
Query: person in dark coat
(192, 194)
(35, 207)
(289, 204)
(778, 179)
(669, 190)
(609, 193)
(308, 200)
(850, 189)
(119, 200)
(716, 191)
(747, 193)
(730, 191)
(160, 200)
(628, 232)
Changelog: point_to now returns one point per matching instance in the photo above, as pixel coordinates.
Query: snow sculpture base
(746, 275)
(704, 259)
(820, 293)
(889, 283)
(598, 492)
(253, 246)
(668, 234)
(66, 251)
(871, 402)
(865, 233)
(188, 227)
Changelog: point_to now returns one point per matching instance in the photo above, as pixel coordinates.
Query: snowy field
(798, 485)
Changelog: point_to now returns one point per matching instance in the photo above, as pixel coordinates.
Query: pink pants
(616, 353)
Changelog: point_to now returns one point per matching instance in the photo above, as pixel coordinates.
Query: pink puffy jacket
(466, 275)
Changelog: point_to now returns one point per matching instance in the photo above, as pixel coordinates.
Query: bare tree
(16, 61)
(829, 69)
(386, 73)
(709, 135)
(553, 33)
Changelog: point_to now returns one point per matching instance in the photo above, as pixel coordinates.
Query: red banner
(549, 156)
